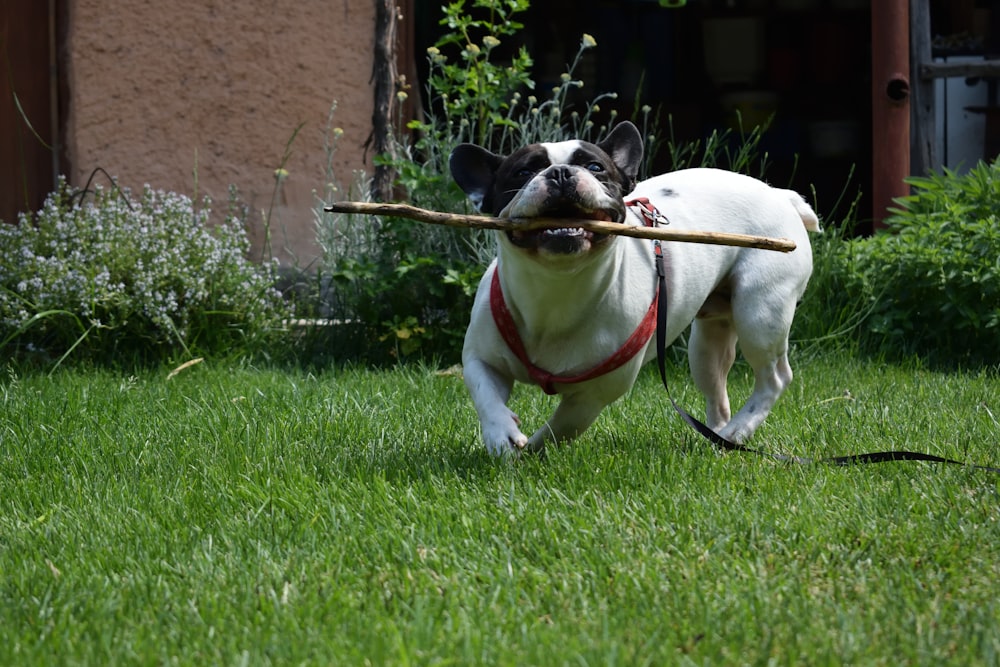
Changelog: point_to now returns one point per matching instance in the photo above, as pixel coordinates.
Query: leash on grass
(728, 445)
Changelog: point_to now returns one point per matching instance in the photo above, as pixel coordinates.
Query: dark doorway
(30, 39)
(806, 62)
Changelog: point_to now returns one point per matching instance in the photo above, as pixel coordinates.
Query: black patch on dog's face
(571, 180)
(527, 163)
(514, 173)
(668, 192)
(492, 180)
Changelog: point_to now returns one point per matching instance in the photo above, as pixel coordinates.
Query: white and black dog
(574, 311)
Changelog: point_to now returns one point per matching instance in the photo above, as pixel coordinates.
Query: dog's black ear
(474, 169)
(624, 145)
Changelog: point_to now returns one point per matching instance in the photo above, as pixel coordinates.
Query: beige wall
(153, 84)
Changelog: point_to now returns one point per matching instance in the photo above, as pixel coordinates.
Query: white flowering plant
(473, 98)
(105, 274)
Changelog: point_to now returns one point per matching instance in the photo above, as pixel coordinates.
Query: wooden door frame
(32, 103)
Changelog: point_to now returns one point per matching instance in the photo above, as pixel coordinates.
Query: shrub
(930, 284)
(409, 285)
(148, 278)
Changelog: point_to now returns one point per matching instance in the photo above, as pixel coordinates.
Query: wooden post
(924, 157)
(890, 104)
(385, 77)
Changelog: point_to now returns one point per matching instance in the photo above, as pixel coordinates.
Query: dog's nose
(560, 174)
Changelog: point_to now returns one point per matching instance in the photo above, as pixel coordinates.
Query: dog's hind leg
(711, 352)
(771, 377)
(765, 347)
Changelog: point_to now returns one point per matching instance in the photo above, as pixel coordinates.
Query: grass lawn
(242, 516)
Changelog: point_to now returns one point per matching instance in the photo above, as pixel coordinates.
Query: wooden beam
(986, 68)
(890, 104)
(385, 79)
(923, 116)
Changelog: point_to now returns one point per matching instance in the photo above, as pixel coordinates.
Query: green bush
(930, 284)
(146, 278)
(408, 286)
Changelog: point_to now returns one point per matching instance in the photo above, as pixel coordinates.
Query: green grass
(243, 516)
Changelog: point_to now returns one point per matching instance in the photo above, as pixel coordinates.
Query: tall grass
(238, 515)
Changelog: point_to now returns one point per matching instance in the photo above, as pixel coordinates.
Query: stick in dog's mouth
(552, 229)
(532, 238)
(525, 224)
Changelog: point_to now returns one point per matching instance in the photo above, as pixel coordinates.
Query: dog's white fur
(574, 310)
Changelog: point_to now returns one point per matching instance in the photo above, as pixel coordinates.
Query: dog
(569, 309)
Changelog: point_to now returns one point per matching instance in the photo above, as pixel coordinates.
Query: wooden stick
(597, 226)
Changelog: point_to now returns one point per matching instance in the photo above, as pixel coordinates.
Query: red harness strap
(650, 215)
(635, 343)
(508, 329)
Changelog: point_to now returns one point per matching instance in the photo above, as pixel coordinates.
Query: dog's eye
(595, 167)
(525, 173)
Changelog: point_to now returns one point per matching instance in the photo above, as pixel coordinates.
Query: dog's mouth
(564, 240)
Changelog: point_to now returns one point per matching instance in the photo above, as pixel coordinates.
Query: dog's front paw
(503, 435)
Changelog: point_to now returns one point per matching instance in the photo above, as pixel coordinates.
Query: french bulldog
(570, 310)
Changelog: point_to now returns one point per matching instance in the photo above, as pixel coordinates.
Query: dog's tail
(804, 210)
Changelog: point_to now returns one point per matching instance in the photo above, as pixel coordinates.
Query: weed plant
(408, 286)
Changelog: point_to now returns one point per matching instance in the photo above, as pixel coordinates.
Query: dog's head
(569, 179)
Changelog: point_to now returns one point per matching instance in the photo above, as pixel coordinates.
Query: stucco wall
(156, 86)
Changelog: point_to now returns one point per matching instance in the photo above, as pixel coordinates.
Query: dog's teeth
(565, 231)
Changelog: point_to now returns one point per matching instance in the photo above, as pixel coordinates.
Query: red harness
(635, 343)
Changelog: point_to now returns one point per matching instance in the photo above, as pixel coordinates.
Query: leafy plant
(930, 284)
(115, 275)
(473, 98)
(473, 87)
(721, 149)
(410, 284)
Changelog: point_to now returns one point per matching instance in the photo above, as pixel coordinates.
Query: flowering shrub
(114, 275)
(472, 98)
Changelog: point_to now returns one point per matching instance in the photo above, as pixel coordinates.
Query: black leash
(727, 445)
